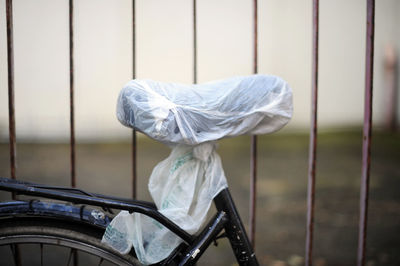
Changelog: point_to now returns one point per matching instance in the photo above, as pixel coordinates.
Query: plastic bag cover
(183, 187)
(191, 114)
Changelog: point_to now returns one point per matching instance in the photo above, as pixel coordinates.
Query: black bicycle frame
(226, 218)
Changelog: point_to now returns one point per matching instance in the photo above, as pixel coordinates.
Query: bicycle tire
(48, 231)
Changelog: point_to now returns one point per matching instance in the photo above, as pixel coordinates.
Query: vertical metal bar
(253, 190)
(391, 85)
(133, 39)
(366, 157)
(11, 106)
(194, 42)
(71, 91)
(255, 35)
(134, 145)
(134, 164)
(253, 149)
(312, 159)
(72, 107)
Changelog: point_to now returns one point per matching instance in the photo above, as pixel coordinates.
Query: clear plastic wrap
(190, 118)
(192, 114)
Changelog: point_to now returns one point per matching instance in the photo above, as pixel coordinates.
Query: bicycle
(79, 227)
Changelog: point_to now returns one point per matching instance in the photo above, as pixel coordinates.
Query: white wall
(103, 57)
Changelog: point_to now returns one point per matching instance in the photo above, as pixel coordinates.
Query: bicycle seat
(191, 114)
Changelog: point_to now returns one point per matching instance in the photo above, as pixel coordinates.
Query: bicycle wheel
(41, 241)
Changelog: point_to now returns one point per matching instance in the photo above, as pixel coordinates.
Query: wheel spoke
(41, 254)
(75, 257)
(14, 236)
(73, 254)
(16, 254)
(70, 256)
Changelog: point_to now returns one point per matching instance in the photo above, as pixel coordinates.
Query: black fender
(55, 210)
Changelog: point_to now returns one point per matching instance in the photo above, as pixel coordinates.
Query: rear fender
(55, 210)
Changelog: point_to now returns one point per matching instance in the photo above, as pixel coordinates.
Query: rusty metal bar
(391, 85)
(312, 159)
(134, 143)
(133, 39)
(194, 42)
(11, 106)
(11, 111)
(253, 149)
(253, 189)
(71, 91)
(255, 35)
(366, 157)
(134, 164)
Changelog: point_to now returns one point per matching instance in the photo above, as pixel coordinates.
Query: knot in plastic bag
(203, 151)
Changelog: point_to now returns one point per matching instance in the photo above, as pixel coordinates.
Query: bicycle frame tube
(210, 233)
(235, 230)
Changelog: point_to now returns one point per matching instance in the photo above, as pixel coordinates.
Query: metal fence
(366, 148)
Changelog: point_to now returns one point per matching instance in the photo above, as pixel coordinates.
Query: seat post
(235, 230)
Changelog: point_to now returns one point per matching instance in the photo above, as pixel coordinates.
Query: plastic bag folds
(192, 114)
(182, 187)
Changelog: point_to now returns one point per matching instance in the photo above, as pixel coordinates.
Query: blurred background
(164, 51)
